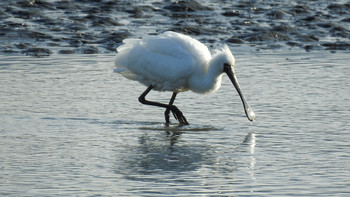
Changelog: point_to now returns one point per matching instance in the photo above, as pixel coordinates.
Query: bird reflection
(173, 137)
(163, 151)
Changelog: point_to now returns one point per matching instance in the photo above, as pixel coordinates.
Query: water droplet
(250, 113)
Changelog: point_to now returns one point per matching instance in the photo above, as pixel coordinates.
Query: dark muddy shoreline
(44, 27)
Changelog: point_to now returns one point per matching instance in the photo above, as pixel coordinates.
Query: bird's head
(223, 56)
(226, 61)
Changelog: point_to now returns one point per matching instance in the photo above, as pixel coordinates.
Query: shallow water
(70, 126)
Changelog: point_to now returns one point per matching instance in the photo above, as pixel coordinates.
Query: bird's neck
(208, 80)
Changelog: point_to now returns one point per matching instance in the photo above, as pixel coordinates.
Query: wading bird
(177, 63)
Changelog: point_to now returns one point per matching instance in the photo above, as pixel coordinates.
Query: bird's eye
(226, 66)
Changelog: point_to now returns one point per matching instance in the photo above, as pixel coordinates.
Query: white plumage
(171, 62)
(175, 62)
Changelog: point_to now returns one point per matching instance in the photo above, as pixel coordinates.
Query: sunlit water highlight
(70, 126)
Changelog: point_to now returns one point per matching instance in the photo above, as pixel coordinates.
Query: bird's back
(165, 61)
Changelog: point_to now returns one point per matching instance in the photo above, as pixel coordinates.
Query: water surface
(70, 126)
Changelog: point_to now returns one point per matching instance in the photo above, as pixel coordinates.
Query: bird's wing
(169, 57)
(198, 51)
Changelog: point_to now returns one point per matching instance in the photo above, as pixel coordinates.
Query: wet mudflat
(45, 27)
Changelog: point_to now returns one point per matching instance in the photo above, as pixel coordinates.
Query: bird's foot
(177, 115)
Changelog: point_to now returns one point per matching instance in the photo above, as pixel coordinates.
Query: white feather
(171, 62)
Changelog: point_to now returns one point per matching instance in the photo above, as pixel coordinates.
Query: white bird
(177, 63)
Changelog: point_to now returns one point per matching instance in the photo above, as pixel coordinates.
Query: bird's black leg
(176, 112)
(167, 111)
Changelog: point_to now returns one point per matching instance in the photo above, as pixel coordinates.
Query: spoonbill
(176, 62)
